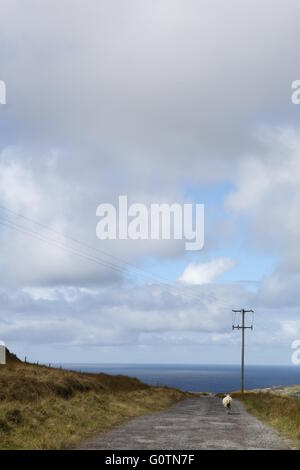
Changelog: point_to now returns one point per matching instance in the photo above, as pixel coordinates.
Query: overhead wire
(187, 291)
(8, 223)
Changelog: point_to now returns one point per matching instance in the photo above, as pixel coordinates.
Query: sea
(199, 378)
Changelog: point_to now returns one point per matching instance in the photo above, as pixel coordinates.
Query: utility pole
(243, 328)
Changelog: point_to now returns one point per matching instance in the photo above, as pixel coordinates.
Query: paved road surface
(195, 423)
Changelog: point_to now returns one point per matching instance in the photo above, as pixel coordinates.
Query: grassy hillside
(46, 408)
(280, 410)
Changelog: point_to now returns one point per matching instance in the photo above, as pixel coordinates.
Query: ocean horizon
(212, 378)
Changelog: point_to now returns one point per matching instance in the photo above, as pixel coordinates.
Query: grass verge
(280, 412)
(47, 408)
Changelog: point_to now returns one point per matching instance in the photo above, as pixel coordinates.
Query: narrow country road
(195, 423)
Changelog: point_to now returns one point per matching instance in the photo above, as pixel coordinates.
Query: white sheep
(227, 402)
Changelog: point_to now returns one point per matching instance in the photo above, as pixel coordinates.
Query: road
(195, 423)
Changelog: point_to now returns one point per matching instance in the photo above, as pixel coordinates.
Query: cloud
(106, 99)
(101, 316)
(204, 273)
(43, 253)
(267, 196)
(93, 114)
(141, 87)
(290, 329)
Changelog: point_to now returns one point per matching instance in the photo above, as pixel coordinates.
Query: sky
(178, 101)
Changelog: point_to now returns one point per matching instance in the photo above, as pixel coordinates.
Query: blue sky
(251, 264)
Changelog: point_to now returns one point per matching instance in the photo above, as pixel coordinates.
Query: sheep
(227, 402)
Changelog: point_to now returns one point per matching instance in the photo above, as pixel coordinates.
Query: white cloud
(290, 329)
(205, 273)
(267, 195)
(129, 100)
(129, 311)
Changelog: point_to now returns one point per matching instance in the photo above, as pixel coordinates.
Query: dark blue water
(206, 378)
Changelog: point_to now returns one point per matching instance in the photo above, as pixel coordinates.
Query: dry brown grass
(281, 412)
(46, 408)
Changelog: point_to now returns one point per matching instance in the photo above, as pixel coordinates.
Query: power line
(50, 241)
(187, 291)
(50, 229)
(136, 269)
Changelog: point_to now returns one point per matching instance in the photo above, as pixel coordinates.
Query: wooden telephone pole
(243, 328)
